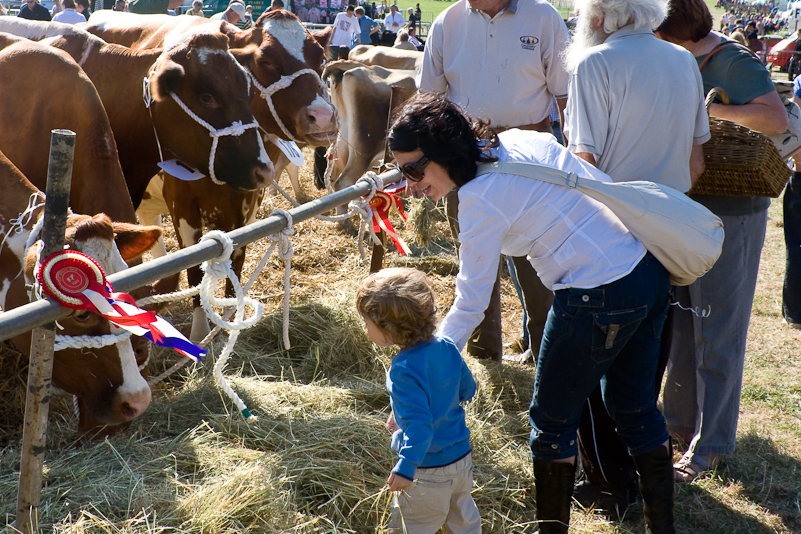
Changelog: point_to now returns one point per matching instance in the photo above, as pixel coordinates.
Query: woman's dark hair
(687, 20)
(435, 125)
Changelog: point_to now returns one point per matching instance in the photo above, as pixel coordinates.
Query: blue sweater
(426, 383)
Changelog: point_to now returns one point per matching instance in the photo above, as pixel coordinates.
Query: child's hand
(398, 483)
(391, 426)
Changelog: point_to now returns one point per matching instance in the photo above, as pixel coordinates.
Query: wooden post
(40, 368)
(377, 259)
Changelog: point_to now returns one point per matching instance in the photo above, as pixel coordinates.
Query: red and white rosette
(381, 204)
(76, 281)
(64, 277)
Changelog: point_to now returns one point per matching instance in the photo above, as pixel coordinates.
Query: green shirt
(743, 78)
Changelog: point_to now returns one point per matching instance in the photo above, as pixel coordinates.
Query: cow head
(107, 382)
(200, 72)
(278, 48)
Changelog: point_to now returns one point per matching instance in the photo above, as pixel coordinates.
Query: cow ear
(133, 240)
(166, 79)
(245, 56)
(323, 36)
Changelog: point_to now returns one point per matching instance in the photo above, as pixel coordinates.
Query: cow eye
(206, 99)
(82, 316)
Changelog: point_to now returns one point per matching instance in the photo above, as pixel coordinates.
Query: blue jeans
(791, 292)
(608, 334)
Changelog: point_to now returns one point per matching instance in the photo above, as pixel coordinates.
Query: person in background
(346, 30)
(402, 41)
(461, 59)
(33, 10)
(249, 15)
(611, 299)
(82, 7)
(197, 9)
(427, 382)
(707, 354)
(411, 18)
(57, 8)
(120, 5)
(368, 27)
(68, 15)
(634, 119)
(393, 22)
(235, 13)
(152, 7)
(791, 289)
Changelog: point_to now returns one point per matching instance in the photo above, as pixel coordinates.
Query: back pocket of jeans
(612, 330)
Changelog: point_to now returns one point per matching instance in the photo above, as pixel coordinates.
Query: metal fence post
(40, 368)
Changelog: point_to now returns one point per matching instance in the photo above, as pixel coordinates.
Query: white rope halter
(236, 129)
(285, 81)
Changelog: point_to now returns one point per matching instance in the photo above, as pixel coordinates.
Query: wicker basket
(740, 161)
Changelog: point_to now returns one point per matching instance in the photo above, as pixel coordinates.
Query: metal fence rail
(20, 320)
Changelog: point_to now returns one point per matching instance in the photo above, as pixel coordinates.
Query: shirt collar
(628, 30)
(511, 8)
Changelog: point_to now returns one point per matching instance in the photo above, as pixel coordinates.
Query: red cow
(198, 73)
(40, 101)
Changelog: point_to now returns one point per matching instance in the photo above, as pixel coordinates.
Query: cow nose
(135, 404)
(263, 175)
(321, 115)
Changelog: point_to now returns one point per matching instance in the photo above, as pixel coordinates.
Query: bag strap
(532, 170)
(720, 46)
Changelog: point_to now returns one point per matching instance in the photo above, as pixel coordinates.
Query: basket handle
(716, 91)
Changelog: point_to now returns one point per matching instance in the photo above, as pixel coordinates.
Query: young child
(427, 380)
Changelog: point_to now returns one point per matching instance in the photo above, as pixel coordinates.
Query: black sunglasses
(415, 171)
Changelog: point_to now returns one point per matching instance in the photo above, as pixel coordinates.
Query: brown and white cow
(282, 56)
(387, 57)
(291, 103)
(44, 93)
(196, 70)
(366, 97)
(106, 382)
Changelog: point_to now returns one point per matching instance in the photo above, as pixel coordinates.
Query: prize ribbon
(76, 281)
(381, 204)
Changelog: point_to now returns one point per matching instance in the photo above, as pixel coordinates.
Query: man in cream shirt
(500, 60)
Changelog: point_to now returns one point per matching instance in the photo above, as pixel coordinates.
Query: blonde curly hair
(400, 301)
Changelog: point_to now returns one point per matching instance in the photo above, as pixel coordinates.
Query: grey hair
(646, 14)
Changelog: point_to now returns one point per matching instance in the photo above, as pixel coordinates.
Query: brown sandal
(691, 465)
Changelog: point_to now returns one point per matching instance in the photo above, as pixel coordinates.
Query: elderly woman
(611, 295)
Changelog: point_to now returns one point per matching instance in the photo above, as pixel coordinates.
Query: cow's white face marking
(204, 53)
(290, 34)
(320, 102)
(132, 381)
(264, 159)
(105, 253)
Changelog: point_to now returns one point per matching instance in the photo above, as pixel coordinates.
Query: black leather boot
(655, 468)
(554, 484)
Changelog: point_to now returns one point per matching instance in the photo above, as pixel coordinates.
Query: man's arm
(765, 114)
(586, 156)
(560, 106)
(696, 163)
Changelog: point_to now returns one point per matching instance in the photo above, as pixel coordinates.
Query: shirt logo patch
(528, 42)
